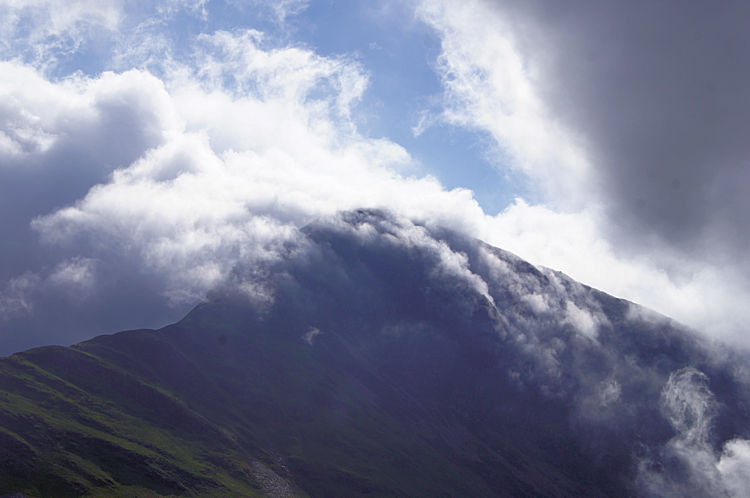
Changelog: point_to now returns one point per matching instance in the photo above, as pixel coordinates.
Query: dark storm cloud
(659, 92)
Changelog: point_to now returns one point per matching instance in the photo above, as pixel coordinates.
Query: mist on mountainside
(381, 356)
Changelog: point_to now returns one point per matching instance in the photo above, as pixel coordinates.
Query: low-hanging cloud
(164, 176)
(691, 408)
(173, 181)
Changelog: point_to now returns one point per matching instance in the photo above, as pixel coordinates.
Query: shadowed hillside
(382, 358)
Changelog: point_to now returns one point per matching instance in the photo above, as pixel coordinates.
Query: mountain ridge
(377, 357)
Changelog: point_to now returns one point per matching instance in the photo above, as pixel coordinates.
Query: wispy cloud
(39, 31)
(691, 407)
(488, 86)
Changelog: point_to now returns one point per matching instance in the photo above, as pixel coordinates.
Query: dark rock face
(386, 358)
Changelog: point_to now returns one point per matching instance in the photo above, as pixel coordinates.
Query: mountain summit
(376, 356)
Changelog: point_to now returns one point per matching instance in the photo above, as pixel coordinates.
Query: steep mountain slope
(380, 357)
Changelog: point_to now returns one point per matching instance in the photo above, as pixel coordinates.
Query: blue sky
(400, 54)
(147, 149)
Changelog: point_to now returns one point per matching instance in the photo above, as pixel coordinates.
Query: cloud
(310, 335)
(287, 8)
(16, 297)
(733, 467)
(488, 87)
(74, 278)
(63, 137)
(76, 275)
(40, 31)
(691, 408)
(129, 196)
(706, 297)
(656, 92)
(604, 106)
(648, 98)
(176, 180)
(173, 173)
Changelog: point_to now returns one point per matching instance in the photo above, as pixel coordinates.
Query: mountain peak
(377, 355)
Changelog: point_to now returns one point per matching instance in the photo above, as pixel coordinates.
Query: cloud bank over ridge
(146, 186)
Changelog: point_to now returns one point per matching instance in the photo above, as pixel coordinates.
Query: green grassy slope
(217, 406)
(73, 424)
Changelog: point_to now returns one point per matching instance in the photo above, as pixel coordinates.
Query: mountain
(376, 356)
